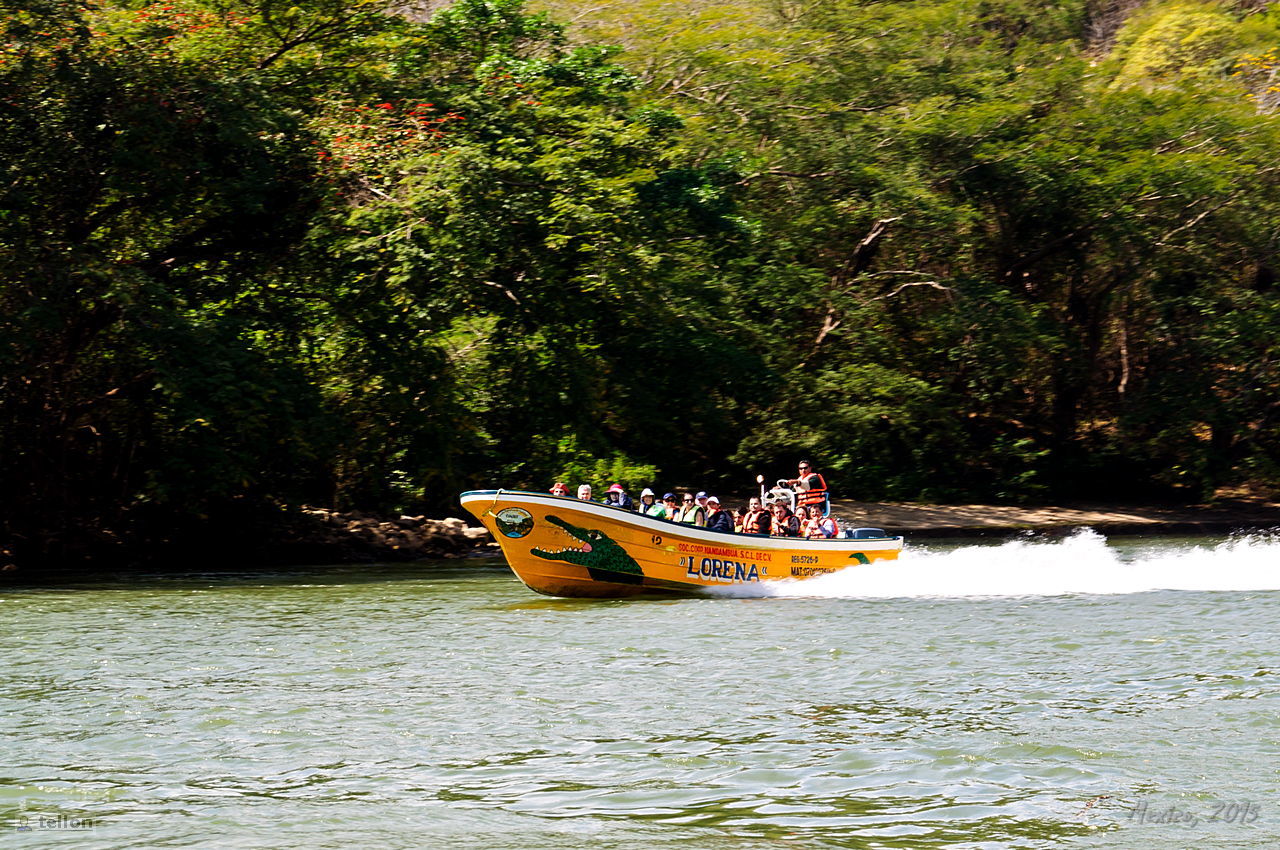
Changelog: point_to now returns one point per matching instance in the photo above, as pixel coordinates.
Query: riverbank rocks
(321, 535)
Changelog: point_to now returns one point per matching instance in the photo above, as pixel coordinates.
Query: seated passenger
(560, 489)
(785, 523)
(757, 520)
(803, 514)
(690, 512)
(820, 526)
(717, 519)
(584, 492)
(670, 507)
(616, 497)
(739, 517)
(648, 501)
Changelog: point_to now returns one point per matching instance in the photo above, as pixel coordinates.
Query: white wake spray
(1082, 563)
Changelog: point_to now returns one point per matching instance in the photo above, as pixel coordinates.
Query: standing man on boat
(811, 488)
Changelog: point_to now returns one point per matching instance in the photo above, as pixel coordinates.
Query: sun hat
(615, 488)
(647, 492)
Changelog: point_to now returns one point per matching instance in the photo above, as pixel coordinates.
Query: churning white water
(1083, 563)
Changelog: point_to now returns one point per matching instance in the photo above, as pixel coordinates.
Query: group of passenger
(809, 519)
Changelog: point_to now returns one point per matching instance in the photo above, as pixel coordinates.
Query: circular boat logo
(514, 522)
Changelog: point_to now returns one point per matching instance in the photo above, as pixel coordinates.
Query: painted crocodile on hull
(604, 559)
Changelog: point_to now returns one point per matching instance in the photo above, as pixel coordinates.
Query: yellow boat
(566, 547)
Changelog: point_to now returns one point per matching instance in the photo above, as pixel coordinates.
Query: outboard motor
(864, 533)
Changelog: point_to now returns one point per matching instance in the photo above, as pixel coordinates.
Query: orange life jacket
(813, 527)
(782, 527)
(815, 496)
(751, 525)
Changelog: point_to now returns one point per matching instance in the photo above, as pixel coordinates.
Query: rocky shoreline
(328, 536)
(320, 535)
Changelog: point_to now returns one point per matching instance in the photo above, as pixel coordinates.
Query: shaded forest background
(256, 254)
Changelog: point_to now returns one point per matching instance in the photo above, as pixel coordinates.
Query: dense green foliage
(255, 254)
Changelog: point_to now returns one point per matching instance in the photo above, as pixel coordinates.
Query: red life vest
(816, 495)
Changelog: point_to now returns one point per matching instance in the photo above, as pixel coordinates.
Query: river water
(1076, 692)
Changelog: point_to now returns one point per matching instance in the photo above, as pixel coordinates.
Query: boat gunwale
(765, 541)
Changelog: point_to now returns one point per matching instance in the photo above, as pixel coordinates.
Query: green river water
(1078, 692)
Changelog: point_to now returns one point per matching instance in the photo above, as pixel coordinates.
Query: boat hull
(567, 547)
